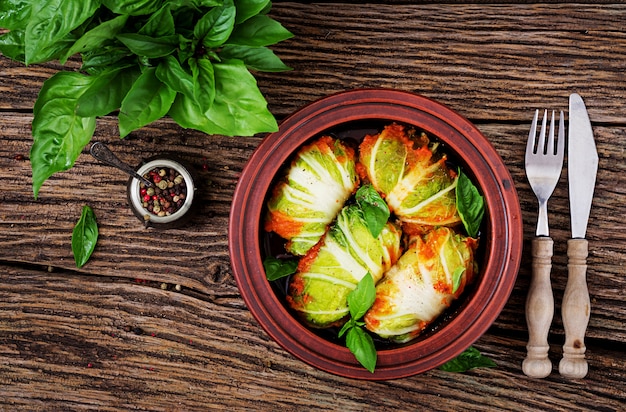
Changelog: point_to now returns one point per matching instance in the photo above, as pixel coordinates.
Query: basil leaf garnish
(470, 204)
(84, 236)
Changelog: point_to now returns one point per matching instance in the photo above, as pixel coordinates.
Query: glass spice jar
(169, 201)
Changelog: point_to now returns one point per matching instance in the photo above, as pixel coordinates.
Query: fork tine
(551, 148)
(541, 143)
(530, 144)
(560, 149)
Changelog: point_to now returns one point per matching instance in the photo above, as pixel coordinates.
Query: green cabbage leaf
(332, 269)
(427, 278)
(319, 181)
(416, 184)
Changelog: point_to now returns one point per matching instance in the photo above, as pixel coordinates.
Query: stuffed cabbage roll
(427, 278)
(415, 182)
(319, 181)
(319, 289)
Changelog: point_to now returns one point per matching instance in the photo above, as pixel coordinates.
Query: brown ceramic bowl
(350, 115)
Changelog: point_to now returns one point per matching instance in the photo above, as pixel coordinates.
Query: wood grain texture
(120, 344)
(117, 335)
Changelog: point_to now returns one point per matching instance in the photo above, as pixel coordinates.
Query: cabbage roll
(319, 181)
(427, 278)
(319, 289)
(415, 182)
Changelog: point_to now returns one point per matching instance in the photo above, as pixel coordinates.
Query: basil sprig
(375, 209)
(469, 359)
(358, 341)
(470, 204)
(145, 59)
(84, 236)
(279, 268)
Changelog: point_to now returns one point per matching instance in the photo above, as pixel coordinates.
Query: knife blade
(582, 165)
(582, 161)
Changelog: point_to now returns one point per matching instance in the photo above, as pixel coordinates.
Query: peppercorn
(167, 195)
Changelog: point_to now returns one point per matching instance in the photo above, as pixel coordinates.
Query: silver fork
(544, 161)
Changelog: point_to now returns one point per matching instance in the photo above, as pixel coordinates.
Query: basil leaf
(50, 24)
(107, 91)
(239, 108)
(471, 358)
(346, 326)
(470, 204)
(216, 25)
(59, 134)
(159, 24)
(375, 209)
(12, 45)
(14, 14)
(132, 7)
(84, 236)
(99, 60)
(148, 100)
(249, 8)
(362, 297)
(151, 47)
(96, 37)
(258, 31)
(456, 278)
(362, 346)
(261, 59)
(203, 76)
(170, 72)
(279, 268)
(195, 4)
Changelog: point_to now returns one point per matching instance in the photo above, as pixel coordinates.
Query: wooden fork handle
(575, 311)
(539, 310)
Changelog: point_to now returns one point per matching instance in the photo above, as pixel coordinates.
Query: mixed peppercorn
(168, 193)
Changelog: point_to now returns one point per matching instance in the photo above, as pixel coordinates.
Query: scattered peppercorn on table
(154, 319)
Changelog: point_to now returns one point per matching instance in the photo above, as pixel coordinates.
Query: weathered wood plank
(128, 345)
(488, 61)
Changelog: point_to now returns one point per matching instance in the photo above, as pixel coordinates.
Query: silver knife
(582, 165)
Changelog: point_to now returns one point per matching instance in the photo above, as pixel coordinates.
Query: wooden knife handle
(539, 310)
(575, 311)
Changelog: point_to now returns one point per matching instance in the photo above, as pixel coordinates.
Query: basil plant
(142, 59)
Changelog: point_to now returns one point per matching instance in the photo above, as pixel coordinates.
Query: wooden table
(118, 334)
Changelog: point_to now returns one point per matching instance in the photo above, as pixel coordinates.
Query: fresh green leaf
(260, 59)
(362, 347)
(362, 297)
(216, 25)
(96, 37)
(259, 31)
(239, 108)
(159, 24)
(59, 134)
(195, 4)
(351, 323)
(104, 59)
(133, 7)
(12, 45)
(50, 24)
(14, 14)
(279, 268)
(457, 275)
(151, 47)
(107, 91)
(170, 72)
(471, 358)
(470, 204)
(375, 209)
(249, 8)
(148, 100)
(84, 236)
(203, 83)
